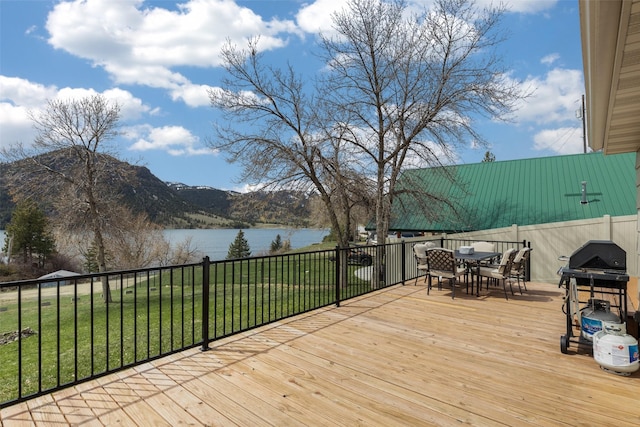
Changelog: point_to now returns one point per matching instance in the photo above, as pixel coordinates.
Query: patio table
(473, 261)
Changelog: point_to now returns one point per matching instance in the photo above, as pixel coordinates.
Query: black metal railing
(59, 332)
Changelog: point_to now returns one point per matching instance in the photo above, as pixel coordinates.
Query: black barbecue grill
(597, 267)
(598, 262)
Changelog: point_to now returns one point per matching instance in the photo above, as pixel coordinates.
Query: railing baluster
(338, 275)
(19, 341)
(91, 314)
(159, 288)
(289, 284)
(121, 319)
(39, 337)
(205, 303)
(215, 300)
(182, 306)
(135, 317)
(58, 328)
(148, 315)
(106, 334)
(75, 331)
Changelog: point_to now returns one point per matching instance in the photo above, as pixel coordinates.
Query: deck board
(395, 357)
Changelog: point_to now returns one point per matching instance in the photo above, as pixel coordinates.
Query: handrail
(166, 309)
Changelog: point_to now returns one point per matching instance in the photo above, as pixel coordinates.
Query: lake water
(215, 243)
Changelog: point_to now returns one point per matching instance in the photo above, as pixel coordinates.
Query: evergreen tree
(29, 234)
(276, 245)
(239, 248)
(91, 260)
(489, 157)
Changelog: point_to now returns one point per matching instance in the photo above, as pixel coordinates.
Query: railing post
(338, 275)
(206, 268)
(403, 264)
(527, 268)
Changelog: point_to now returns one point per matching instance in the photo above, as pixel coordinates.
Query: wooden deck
(396, 357)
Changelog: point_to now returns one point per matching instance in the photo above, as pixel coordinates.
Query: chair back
(440, 259)
(506, 262)
(520, 260)
(483, 247)
(420, 251)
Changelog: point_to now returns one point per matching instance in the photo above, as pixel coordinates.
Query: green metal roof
(529, 191)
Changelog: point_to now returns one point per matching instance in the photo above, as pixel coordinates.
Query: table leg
(477, 266)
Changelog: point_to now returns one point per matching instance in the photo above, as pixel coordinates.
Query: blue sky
(158, 58)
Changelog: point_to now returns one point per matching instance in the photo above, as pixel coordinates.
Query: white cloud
(20, 96)
(549, 114)
(193, 95)
(139, 44)
(555, 97)
(553, 104)
(514, 6)
(550, 59)
(316, 17)
(564, 140)
(23, 93)
(143, 44)
(131, 108)
(524, 6)
(17, 97)
(175, 140)
(15, 126)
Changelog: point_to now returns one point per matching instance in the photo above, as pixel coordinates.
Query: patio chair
(420, 253)
(484, 247)
(501, 272)
(442, 264)
(518, 267)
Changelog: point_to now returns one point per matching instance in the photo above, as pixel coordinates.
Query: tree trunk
(99, 241)
(102, 267)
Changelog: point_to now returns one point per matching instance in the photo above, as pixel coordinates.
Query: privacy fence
(554, 240)
(55, 333)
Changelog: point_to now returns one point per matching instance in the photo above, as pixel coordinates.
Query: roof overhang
(610, 32)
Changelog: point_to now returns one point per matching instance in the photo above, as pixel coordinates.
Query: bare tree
(401, 89)
(79, 130)
(275, 130)
(408, 86)
(134, 241)
(181, 252)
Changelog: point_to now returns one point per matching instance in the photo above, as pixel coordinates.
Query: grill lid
(599, 254)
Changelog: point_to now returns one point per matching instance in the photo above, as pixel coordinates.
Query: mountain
(279, 207)
(209, 199)
(172, 205)
(6, 205)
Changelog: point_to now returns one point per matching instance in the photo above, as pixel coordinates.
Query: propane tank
(615, 350)
(593, 314)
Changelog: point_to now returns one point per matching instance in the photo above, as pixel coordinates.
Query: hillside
(281, 207)
(172, 205)
(209, 199)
